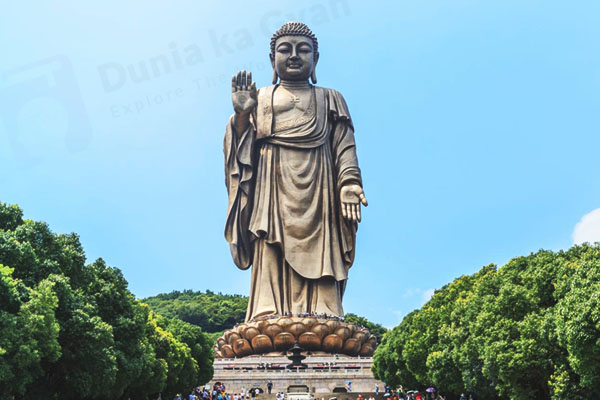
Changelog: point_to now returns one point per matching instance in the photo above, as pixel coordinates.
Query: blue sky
(477, 125)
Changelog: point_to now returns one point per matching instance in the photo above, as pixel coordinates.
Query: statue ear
(274, 71)
(313, 74)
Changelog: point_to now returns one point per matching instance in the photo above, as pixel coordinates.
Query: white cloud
(588, 228)
(399, 315)
(411, 292)
(427, 295)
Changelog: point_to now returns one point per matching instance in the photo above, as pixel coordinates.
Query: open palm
(243, 93)
(350, 198)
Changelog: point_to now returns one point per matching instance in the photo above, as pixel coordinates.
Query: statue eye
(304, 48)
(283, 49)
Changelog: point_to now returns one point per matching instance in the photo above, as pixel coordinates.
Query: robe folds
(283, 179)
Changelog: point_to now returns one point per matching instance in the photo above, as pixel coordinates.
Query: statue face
(294, 57)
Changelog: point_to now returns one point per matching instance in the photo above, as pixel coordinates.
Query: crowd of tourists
(402, 394)
(219, 392)
(411, 395)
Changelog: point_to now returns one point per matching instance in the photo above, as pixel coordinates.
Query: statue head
(294, 53)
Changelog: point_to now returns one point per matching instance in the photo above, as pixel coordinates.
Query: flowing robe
(283, 180)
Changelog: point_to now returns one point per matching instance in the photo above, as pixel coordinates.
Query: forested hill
(215, 312)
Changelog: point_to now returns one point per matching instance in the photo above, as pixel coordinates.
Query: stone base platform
(325, 376)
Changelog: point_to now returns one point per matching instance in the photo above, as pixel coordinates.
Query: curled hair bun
(294, 29)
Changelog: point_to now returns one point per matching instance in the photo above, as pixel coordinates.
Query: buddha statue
(293, 182)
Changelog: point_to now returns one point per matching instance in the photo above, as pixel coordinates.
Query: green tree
(74, 331)
(528, 330)
(28, 332)
(376, 329)
(201, 346)
(212, 312)
(389, 364)
(578, 324)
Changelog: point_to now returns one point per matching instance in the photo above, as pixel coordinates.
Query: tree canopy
(527, 330)
(74, 331)
(213, 312)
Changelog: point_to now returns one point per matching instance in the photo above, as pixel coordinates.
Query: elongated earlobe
(313, 77)
(274, 77)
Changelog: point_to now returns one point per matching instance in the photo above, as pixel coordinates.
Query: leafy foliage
(74, 331)
(376, 329)
(528, 330)
(210, 311)
(28, 331)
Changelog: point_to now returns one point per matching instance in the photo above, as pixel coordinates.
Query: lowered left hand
(350, 198)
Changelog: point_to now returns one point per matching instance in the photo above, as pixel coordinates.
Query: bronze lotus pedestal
(274, 336)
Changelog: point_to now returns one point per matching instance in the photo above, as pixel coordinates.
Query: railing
(343, 372)
(317, 370)
(315, 359)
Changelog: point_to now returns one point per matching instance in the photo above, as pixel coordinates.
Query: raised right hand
(243, 93)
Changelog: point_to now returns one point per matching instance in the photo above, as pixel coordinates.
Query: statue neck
(295, 84)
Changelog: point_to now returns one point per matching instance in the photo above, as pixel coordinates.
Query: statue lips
(295, 70)
(294, 63)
